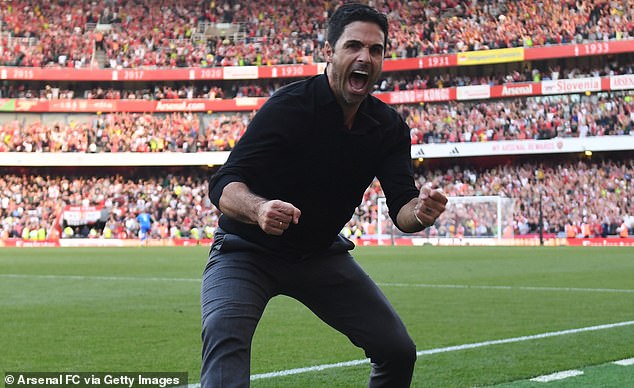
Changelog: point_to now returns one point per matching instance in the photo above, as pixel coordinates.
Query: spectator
(596, 193)
(287, 35)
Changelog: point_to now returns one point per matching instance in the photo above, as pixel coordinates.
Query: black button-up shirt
(297, 149)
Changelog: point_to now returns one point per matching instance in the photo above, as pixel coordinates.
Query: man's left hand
(431, 203)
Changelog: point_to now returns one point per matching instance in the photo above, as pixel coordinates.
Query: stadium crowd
(126, 132)
(579, 194)
(32, 206)
(536, 71)
(581, 199)
(526, 72)
(591, 198)
(509, 119)
(165, 34)
(519, 119)
(156, 92)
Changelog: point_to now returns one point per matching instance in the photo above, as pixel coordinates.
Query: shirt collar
(325, 96)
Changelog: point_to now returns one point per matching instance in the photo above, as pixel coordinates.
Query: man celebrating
(286, 191)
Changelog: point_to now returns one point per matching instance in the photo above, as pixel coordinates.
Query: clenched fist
(275, 216)
(431, 203)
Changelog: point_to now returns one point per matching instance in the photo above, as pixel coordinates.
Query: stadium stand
(177, 201)
(120, 80)
(233, 33)
(512, 119)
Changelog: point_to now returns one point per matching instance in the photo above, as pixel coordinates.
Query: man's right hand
(275, 216)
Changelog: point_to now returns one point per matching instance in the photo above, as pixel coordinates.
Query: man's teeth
(361, 72)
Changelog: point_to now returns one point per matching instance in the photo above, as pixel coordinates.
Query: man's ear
(328, 51)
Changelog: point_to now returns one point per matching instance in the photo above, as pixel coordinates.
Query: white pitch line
(626, 362)
(116, 278)
(557, 376)
(545, 378)
(521, 288)
(444, 350)
(313, 368)
(415, 285)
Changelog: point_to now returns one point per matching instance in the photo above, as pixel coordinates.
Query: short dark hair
(353, 12)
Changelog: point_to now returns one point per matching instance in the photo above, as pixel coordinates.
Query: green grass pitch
(137, 309)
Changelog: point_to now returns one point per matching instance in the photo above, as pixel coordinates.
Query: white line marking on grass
(419, 285)
(524, 338)
(626, 362)
(522, 288)
(82, 277)
(313, 368)
(557, 376)
(444, 350)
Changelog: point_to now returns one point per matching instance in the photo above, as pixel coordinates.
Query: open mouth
(359, 81)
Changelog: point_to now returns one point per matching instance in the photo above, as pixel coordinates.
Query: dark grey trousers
(241, 277)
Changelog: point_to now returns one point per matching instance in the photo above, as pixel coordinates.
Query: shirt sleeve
(255, 153)
(396, 173)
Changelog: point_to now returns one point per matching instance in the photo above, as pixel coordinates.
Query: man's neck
(349, 113)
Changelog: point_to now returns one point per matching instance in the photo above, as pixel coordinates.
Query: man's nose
(364, 54)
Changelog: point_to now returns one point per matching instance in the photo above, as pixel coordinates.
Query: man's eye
(376, 50)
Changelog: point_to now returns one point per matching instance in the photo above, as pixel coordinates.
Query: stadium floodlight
(467, 220)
